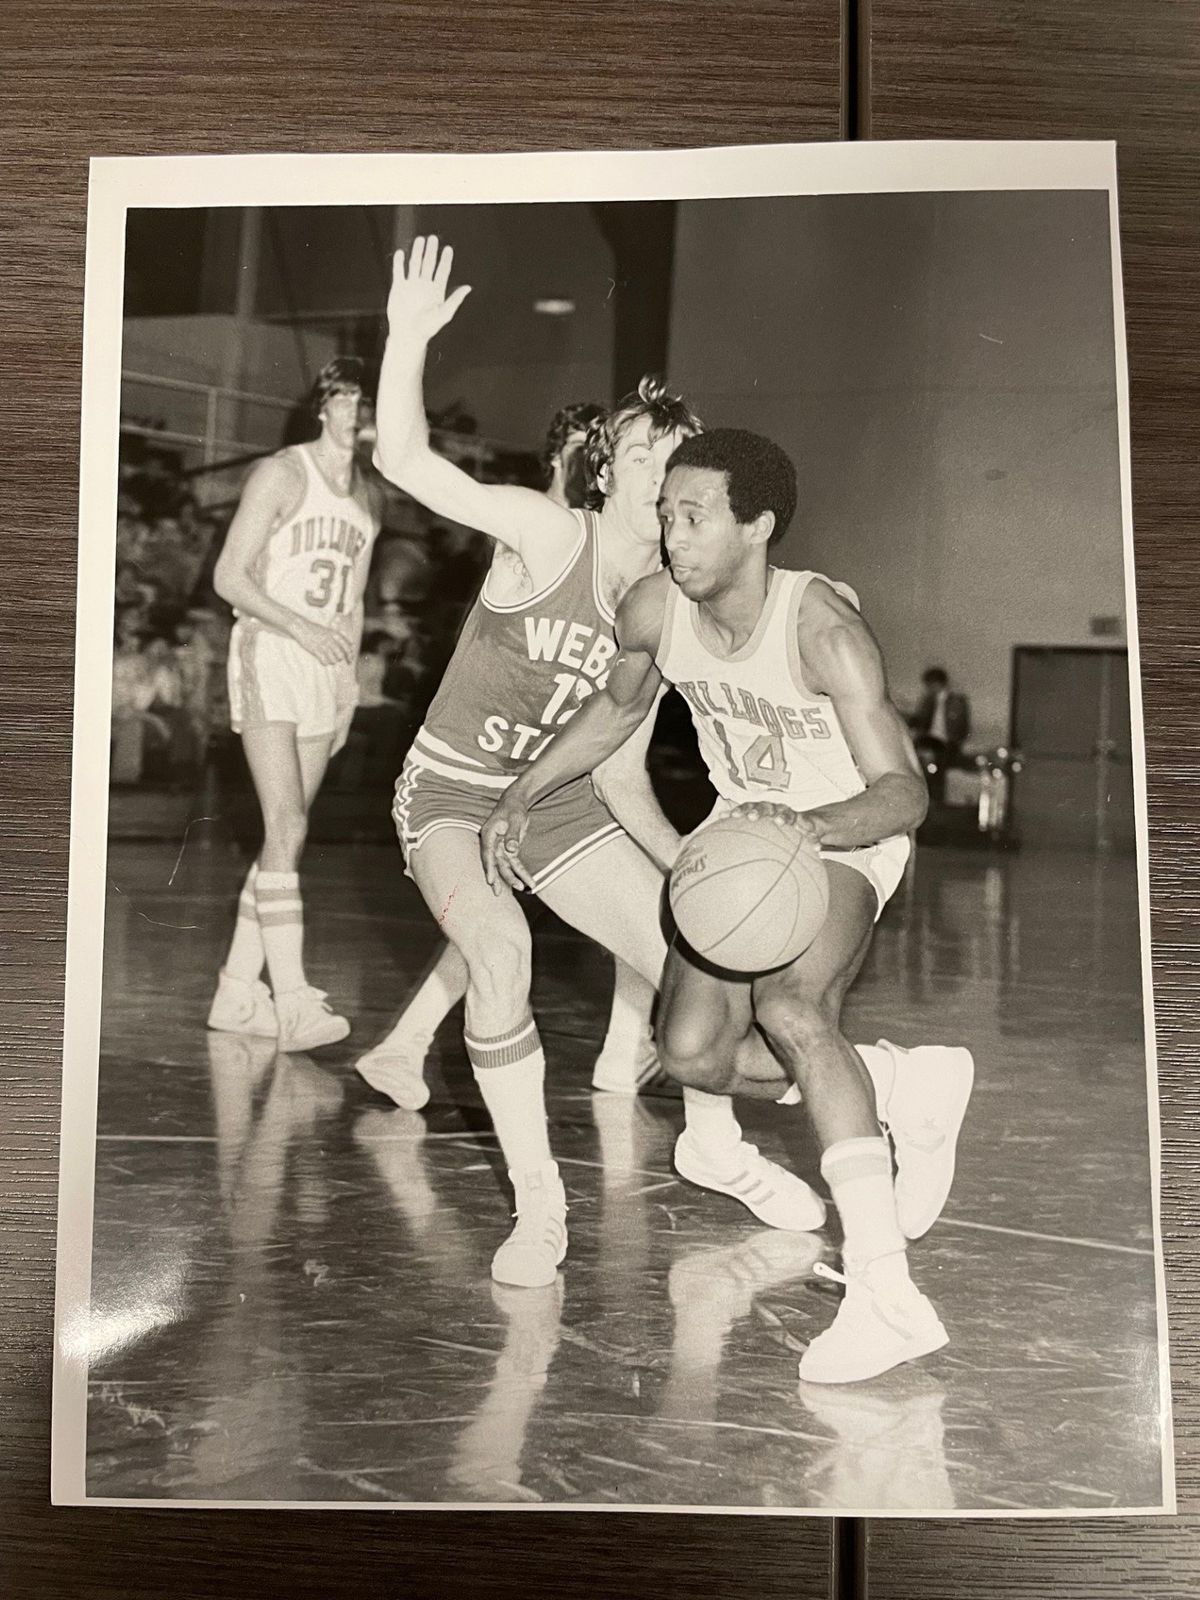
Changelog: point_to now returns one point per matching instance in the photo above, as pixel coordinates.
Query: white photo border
(118, 184)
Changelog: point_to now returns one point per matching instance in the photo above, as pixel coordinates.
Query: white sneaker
(531, 1255)
(307, 1020)
(639, 1072)
(872, 1332)
(396, 1068)
(924, 1114)
(775, 1196)
(243, 1005)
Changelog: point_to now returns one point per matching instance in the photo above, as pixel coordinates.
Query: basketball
(747, 897)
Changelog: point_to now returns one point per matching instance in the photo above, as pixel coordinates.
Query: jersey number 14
(764, 763)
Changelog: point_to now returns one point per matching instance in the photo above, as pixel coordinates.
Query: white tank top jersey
(763, 734)
(312, 560)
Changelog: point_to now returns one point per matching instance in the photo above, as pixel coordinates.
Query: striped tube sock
(510, 1070)
(281, 918)
(859, 1175)
(246, 953)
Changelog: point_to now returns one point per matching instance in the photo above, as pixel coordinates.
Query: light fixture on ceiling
(554, 306)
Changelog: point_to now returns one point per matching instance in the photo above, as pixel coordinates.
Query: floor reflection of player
(887, 1449)
(627, 1063)
(710, 1291)
(535, 646)
(441, 1248)
(251, 1432)
(840, 773)
(486, 1462)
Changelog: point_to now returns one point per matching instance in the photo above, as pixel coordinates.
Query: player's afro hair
(668, 413)
(759, 476)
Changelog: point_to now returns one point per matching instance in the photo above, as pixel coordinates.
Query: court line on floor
(1047, 1238)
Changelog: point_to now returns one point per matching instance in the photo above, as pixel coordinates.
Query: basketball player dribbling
(788, 695)
(536, 645)
(627, 1063)
(294, 567)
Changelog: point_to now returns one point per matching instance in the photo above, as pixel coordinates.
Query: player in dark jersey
(538, 642)
(627, 1063)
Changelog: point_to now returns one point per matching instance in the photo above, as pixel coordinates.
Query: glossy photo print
(608, 934)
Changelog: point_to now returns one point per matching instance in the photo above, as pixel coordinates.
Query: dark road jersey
(520, 672)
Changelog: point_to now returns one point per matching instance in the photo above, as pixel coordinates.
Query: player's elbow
(914, 800)
(397, 460)
(225, 580)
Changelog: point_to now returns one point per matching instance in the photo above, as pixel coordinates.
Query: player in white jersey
(294, 567)
(788, 693)
(627, 1063)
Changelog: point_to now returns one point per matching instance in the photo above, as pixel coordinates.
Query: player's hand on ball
(418, 305)
(329, 645)
(500, 843)
(784, 817)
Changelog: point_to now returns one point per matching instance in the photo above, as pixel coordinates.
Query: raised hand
(418, 305)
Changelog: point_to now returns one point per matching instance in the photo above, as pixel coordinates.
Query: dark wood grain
(1127, 71)
(80, 79)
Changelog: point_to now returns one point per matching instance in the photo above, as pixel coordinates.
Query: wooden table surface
(84, 78)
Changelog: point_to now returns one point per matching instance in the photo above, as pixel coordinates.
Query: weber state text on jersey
(312, 560)
(519, 673)
(763, 734)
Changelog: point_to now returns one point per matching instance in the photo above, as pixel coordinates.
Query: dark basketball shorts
(564, 828)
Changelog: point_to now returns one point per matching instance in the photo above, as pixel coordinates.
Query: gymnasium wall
(512, 366)
(940, 368)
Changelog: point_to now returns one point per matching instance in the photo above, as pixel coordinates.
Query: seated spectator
(940, 724)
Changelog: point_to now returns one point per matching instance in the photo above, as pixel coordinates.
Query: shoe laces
(864, 1298)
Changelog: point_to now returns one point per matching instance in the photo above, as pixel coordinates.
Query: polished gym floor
(291, 1299)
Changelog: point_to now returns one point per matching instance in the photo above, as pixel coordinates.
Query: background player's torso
(521, 669)
(763, 734)
(314, 560)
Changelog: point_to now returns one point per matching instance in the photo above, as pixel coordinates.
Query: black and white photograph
(608, 955)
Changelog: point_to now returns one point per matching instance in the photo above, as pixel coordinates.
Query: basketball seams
(786, 866)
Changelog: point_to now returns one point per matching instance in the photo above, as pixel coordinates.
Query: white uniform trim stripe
(577, 853)
(542, 594)
(438, 747)
(482, 780)
(597, 591)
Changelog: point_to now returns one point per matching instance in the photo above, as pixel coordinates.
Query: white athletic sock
(443, 988)
(510, 1070)
(281, 918)
(859, 1175)
(629, 1017)
(881, 1068)
(711, 1123)
(246, 952)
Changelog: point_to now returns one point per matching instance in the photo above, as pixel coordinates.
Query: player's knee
(500, 969)
(800, 1023)
(693, 1055)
